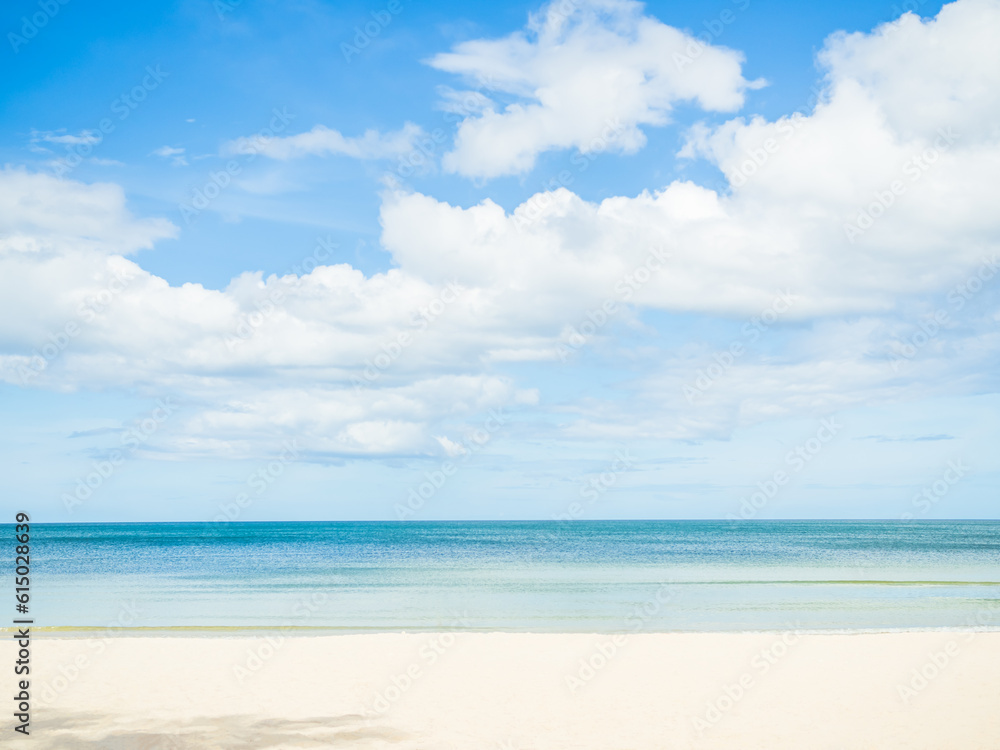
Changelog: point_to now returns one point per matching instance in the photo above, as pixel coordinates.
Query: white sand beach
(933, 690)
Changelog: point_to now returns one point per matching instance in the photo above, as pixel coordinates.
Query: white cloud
(61, 137)
(79, 315)
(822, 368)
(842, 207)
(44, 215)
(463, 102)
(451, 448)
(176, 155)
(323, 141)
(587, 75)
(514, 287)
(925, 75)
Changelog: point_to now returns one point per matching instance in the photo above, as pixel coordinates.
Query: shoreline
(310, 631)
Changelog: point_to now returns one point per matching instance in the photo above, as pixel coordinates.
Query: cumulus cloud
(45, 215)
(926, 74)
(81, 315)
(587, 74)
(860, 207)
(864, 219)
(845, 207)
(323, 141)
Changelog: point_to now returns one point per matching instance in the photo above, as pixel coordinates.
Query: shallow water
(531, 576)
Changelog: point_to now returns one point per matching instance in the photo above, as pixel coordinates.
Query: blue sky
(549, 153)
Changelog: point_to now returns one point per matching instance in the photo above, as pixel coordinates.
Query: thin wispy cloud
(323, 141)
(174, 154)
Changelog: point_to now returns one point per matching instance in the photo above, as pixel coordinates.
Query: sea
(529, 576)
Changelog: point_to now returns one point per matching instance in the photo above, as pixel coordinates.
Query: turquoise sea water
(616, 576)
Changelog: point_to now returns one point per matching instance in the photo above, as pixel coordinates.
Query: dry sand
(513, 691)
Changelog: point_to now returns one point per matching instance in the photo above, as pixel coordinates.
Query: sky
(410, 261)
